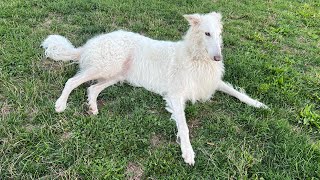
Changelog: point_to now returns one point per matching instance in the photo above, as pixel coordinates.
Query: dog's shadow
(127, 100)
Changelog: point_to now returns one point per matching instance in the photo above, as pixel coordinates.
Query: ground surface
(271, 49)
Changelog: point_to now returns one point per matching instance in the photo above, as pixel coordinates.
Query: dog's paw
(93, 108)
(255, 103)
(93, 111)
(260, 105)
(188, 156)
(60, 105)
(92, 102)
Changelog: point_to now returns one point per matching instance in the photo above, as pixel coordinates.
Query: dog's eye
(207, 34)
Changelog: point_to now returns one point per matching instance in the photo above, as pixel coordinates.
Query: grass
(271, 49)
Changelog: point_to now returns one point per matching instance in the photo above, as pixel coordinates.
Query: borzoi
(190, 69)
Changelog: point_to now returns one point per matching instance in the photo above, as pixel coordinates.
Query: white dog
(190, 69)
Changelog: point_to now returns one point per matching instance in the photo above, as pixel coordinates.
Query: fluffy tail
(59, 48)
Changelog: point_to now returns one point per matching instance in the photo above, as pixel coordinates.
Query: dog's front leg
(175, 105)
(227, 88)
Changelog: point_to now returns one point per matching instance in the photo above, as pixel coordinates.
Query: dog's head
(208, 29)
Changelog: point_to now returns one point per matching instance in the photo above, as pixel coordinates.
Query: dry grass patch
(193, 125)
(134, 171)
(6, 108)
(156, 140)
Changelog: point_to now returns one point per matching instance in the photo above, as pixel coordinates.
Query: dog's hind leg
(227, 88)
(72, 83)
(175, 105)
(94, 91)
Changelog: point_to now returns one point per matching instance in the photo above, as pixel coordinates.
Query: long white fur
(59, 48)
(179, 71)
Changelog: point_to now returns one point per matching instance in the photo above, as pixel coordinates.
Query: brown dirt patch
(52, 17)
(156, 140)
(193, 125)
(65, 136)
(5, 109)
(47, 22)
(134, 171)
(30, 127)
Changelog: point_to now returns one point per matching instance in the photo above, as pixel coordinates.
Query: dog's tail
(59, 48)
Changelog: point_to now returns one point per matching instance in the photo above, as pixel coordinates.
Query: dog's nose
(217, 58)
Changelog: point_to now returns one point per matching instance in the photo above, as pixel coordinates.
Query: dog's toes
(93, 111)
(189, 157)
(60, 106)
(261, 105)
(93, 108)
(264, 106)
(257, 104)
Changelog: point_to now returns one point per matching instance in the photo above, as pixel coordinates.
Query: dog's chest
(203, 81)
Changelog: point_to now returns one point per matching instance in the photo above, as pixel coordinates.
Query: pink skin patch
(126, 65)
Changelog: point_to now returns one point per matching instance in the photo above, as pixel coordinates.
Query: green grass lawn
(271, 49)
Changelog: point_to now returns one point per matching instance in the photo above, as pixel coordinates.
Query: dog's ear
(216, 15)
(193, 19)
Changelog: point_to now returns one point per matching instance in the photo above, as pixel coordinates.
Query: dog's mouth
(214, 58)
